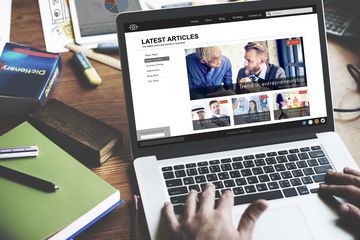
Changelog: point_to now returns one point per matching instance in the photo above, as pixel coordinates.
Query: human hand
(209, 223)
(347, 186)
(245, 80)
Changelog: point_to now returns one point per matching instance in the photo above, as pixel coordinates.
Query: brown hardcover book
(86, 138)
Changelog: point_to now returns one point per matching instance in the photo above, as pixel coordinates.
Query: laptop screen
(211, 76)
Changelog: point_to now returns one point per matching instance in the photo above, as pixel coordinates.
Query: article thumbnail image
(210, 114)
(291, 104)
(251, 109)
(245, 67)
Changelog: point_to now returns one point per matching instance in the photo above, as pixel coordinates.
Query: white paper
(5, 22)
(56, 24)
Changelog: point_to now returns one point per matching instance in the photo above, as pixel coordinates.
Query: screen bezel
(178, 149)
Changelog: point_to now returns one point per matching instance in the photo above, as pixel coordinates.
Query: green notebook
(27, 213)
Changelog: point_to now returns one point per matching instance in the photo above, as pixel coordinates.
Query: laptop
(238, 95)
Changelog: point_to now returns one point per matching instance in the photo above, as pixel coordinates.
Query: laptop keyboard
(271, 175)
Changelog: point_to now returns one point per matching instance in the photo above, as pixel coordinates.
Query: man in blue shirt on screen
(209, 73)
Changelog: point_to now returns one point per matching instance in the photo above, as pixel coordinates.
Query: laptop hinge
(235, 145)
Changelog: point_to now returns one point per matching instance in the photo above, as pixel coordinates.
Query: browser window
(251, 72)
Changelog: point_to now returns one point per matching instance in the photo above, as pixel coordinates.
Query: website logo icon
(133, 27)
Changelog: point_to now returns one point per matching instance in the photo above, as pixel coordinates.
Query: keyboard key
(286, 175)
(179, 209)
(319, 178)
(235, 174)
(191, 172)
(203, 170)
(270, 160)
(261, 187)
(315, 147)
(253, 197)
(214, 168)
(290, 192)
(269, 169)
(257, 170)
(249, 157)
(177, 167)
(226, 160)
(322, 169)
(271, 154)
(314, 190)
(281, 159)
(292, 157)
(290, 166)
(194, 187)
(246, 172)
(260, 155)
(223, 175)
(200, 179)
(249, 164)
(173, 183)
(213, 162)
(273, 185)
(203, 186)
(297, 173)
(284, 183)
(201, 164)
(190, 165)
(237, 159)
(178, 199)
(229, 183)
(240, 181)
(294, 150)
(217, 194)
(303, 190)
(275, 176)
(295, 182)
(218, 185)
(323, 161)
(316, 154)
(226, 167)
(312, 162)
(237, 165)
(280, 167)
(238, 190)
(264, 178)
(168, 175)
(188, 180)
(284, 152)
(307, 180)
(303, 156)
(180, 173)
(164, 169)
(259, 162)
(211, 177)
(250, 189)
(305, 149)
(301, 164)
(308, 171)
(252, 180)
(177, 191)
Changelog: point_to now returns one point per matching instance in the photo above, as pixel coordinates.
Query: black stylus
(27, 180)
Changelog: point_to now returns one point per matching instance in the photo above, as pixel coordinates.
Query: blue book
(27, 78)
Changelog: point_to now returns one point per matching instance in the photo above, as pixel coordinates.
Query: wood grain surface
(106, 103)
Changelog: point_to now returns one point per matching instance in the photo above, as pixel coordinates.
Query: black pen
(27, 180)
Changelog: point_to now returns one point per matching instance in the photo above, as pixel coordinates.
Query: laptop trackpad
(282, 224)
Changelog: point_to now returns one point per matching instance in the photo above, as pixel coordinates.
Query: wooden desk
(106, 102)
